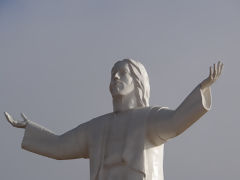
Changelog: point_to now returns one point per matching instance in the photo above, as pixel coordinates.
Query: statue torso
(115, 167)
(119, 148)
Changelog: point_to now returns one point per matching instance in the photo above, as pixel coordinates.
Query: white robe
(140, 145)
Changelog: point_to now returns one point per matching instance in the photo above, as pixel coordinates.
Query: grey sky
(55, 62)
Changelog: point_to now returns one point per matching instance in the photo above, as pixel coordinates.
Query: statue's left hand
(17, 124)
(214, 74)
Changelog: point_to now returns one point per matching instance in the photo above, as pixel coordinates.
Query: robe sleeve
(70, 145)
(164, 123)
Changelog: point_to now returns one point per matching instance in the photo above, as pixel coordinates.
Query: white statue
(126, 144)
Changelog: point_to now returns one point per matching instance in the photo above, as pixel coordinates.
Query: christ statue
(127, 143)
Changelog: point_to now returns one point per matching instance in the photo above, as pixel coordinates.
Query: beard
(116, 87)
(120, 88)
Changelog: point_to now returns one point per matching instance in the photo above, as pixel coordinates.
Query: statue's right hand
(17, 124)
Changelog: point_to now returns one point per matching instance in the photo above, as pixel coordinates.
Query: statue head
(129, 77)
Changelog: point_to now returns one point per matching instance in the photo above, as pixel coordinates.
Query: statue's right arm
(164, 124)
(70, 145)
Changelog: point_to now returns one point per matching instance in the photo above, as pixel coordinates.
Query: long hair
(141, 81)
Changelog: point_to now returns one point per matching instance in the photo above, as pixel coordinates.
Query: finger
(210, 72)
(214, 71)
(218, 68)
(9, 118)
(221, 67)
(24, 117)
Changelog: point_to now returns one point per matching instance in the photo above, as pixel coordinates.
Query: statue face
(121, 80)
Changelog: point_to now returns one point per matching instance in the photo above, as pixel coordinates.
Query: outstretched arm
(164, 123)
(197, 103)
(37, 139)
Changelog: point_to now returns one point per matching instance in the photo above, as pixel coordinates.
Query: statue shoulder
(100, 119)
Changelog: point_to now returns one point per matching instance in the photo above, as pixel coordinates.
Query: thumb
(24, 117)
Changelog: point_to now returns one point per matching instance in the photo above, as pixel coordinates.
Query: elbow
(178, 125)
(169, 134)
(58, 158)
(182, 125)
(58, 155)
(178, 132)
(55, 149)
(55, 157)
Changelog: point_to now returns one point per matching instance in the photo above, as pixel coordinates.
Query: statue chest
(116, 137)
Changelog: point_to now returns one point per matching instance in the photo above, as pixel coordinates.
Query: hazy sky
(55, 62)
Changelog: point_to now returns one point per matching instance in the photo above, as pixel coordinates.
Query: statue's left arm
(164, 123)
(70, 145)
(38, 139)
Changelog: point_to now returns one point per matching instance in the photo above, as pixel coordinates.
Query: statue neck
(123, 103)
